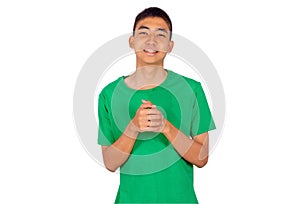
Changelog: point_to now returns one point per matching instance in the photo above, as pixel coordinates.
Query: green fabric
(155, 172)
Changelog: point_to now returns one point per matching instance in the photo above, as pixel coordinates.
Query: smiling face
(151, 42)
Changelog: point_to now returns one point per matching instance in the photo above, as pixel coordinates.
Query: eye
(143, 33)
(161, 35)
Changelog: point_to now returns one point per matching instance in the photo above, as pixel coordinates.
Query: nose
(151, 39)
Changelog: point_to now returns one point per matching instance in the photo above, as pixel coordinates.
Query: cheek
(165, 47)
(138, 45)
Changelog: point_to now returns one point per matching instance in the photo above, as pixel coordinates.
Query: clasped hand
(148, 118)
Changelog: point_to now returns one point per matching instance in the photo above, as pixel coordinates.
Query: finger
(152, 129)
(147, 106)
(154, 124)
(146, 101)
(153, 111)
(154, 117)
(147, 129)
(146, 124)
(146, 112)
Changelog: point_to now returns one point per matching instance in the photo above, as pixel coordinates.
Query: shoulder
(194, 84)
(109, 88)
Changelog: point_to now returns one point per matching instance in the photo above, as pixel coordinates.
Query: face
(151, 41)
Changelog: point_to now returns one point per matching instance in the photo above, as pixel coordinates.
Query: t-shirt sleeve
(202, 120)
(105, 136)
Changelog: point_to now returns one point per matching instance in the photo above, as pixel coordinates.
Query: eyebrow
(145, 27)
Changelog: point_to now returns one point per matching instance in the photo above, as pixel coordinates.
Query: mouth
(150, 52)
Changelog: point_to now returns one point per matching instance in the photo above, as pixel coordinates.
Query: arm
(117, 154)
(193, 150)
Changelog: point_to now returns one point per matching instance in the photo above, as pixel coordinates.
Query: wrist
(167, 128)
(170, 131)
(131, 130)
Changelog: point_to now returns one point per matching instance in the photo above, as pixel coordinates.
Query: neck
(143, 64)
(147, 77)
(149, 72)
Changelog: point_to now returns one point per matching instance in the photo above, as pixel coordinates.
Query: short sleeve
(105, 136)
(202, 120)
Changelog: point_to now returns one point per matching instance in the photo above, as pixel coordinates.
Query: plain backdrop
(254, 45)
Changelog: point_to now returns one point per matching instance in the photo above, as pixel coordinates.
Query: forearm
(192, 151)
(117, 154)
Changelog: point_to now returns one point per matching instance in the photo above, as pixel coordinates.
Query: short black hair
(153, 12)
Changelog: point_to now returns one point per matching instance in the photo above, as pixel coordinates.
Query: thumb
(148, 104)
(146, 101)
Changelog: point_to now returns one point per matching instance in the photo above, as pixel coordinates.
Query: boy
(154, 123)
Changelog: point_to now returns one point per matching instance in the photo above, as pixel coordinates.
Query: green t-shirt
(155, 172)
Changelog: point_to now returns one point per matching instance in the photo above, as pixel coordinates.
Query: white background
(254, 46)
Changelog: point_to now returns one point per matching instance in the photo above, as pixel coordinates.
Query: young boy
(154, 123)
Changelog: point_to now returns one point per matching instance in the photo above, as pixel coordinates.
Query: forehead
(153, 23)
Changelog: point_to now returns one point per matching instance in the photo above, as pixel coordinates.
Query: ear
(131, 44)
(170, 46)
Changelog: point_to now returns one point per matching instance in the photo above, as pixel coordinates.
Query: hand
(148, 118)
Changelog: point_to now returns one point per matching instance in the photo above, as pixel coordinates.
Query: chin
(150, 61)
